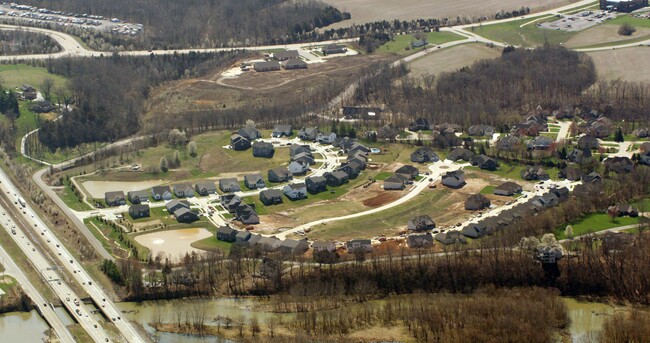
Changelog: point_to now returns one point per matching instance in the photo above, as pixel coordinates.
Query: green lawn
(513, 171)
(7, 282)
(402, 44)
(529, 35)
(381, 176)
(211, 244)
(487, 190)
(71, 200)
(594, 222)
(16, 75)
(630, 19)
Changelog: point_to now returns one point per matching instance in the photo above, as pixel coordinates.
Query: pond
(22, 327)
(586, 318)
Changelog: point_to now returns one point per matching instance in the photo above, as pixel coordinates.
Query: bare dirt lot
(615, 64)
(450, 60)
(96, 189)
(364, 11)
(603, 34)
(174, 243)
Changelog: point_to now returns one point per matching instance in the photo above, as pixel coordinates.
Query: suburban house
(136, 197)
(175, 204)
(387, 133)
(241, 238)
(481, 130)
(361, 112)
(451, 237)
(421, 240)
(268, 244)
(421, 223)
(254, 181)
(286, 55)
(294, 246)
(298, 149)
(305, 158)
(539, 143)
(410, 172)
(263, 149)
(449, 128)
(570, 173)
(454, 179)
(424, 155)
(549, 254)
(116, 198)
(353, 169)
(534, 173)
(326, 138)
(181, 211)
(600, 128)
(316, 184)
(484, 162)
(229, 185)
(509, 143)
(474, 230)
(183, 190)
(271, 197)
(619, 164)
(356, 147)
(205, 188)
(587, 142)
(139, 211)
(507, 189)
(227, 234)
(161, 193)
(419, 124)
(336, 178)
(418, 43)
(395, 182)
(239, 143)
(308, 134)
(249, 132)
(246, 214)
(622, 210)
(298, 168)
(460, 154)
(295, 63)
(577, 155)
(331, 49)
(279, 174)
(282, 131)
(295, 191)
(477, 202)
(355, 244)
(266, 66)
(230, 202)
(323, 246)
(592, 177)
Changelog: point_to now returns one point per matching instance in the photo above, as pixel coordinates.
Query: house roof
(262, 145)
(323, 245)
(282, 128)
(114, 195)
(280, 171)
(267, 64)
(160, 189)
(316, 179)
(407, 169)
(139, 194)
(271, 193)
(295, 62)
(253, 178)
(139, 207)
(228, 181)
(297, 186)
(509, 186)
(226, 230)
(286, 54)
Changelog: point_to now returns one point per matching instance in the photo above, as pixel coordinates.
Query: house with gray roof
(115, 198)
(336, 178)
(226, 233)
(424, 155)
(294, 63)
(355, 244)
(454, 179)
(484, 162)
(230, 202)
(246, 214)
(509, 143)
(421, 240)
(420, 223)
(450, 237)
(507, 189)
(229, 185)
(136, 197)
(395, 182)
(481, 130)
(263, 149)
(534, 173)
(270, 197)
(587, 142)
(294, 246)
(410, 172)
(175, 204)
(308, 133)
(297, 149)
(161, 193)
(316, 184)
(477, 202)
(239, 143)
(298, 168)
(539, 143)
(254, 181)
(286, 55)
(331, 49)
(619, 164)
(279, 174)
(323, 246)
(183, 190)
(249, 132)
(266, 66)
(460, 154)
(139, 211)
(295, 191)
(326, 137)
(353, 169)
(205, 188)
(304, 157)
(282, 131)
(241, 238)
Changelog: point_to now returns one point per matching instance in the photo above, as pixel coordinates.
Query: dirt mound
(381, 199)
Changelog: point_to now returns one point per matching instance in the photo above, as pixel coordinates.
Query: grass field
(630, 19)
(402, 44)
(71, 200)
(593, 223)
(613, 64)
(212, 244)
(16, 75)
(385, 222)
(7, 282)
(529, 35)
(452, 59)
(487, 190)
(513, 171)
(383, 176)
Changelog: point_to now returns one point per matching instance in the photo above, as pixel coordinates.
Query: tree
(254, 326)
(177, 159)
(618, 136)
(568, 232)
(164, 165)
(46, 87)
(273, 323)
(177, 137)
(192, 149)
(626, 30)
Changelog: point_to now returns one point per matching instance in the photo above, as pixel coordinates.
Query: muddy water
(586, 319)
(22, 327)
(173, 243)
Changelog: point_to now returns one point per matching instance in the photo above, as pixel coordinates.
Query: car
(71, 261)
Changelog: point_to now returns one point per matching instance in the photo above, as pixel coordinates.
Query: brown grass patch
(381, 199)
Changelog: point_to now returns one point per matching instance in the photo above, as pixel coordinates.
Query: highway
(46, 311)
(69, 299)
(70, 263)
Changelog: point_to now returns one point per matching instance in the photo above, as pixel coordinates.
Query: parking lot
(579, 21)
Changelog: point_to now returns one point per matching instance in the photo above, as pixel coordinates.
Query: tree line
(17, 42)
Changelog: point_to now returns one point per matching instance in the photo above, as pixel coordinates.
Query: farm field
(364, 11)
(613, 64)
(452, 59)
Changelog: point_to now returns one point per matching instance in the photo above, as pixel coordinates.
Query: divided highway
(50, 242)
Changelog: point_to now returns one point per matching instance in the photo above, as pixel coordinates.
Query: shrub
(626, 30)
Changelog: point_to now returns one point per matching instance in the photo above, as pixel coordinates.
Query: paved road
(46, 311)
(69, 262)
(56, 281)
(564, 130)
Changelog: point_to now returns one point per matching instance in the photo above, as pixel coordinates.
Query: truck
(22, 202)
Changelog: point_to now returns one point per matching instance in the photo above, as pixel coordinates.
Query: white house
(326, 138)
(298, 168)
(295, 191)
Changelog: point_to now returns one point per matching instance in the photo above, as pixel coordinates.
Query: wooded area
(204, 23)
(17, 42)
